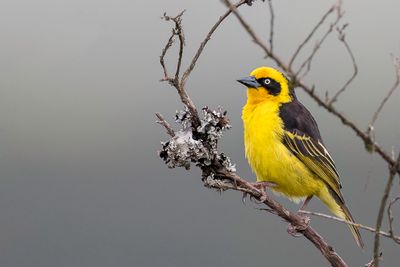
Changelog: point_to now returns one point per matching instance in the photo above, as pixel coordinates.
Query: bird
(284, 147)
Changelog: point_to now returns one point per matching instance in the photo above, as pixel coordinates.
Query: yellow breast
(267, 155)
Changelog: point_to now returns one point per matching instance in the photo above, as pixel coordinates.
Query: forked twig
(319, 43)
(353, 61)
(310, 35)
(187, 72)
(396, 63)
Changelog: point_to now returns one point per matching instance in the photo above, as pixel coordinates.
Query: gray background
(81, 183)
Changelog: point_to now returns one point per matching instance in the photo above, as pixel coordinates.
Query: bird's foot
(294, 230)
(262, 186)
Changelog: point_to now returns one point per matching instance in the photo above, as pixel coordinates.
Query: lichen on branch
(199, 145)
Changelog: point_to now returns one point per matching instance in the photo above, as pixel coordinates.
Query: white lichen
(200, 146)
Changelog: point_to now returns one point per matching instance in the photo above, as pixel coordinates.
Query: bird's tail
(339, 209)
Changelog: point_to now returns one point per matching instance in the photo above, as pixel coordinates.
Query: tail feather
(337, 207)
(354, 229)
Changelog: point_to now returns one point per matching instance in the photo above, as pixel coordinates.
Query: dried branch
(361, 226)
(392, 172)
(254, 36)
(163, 54)
(166, 125)
(296, 221)
(396, 63)
(391, 219)
(353, 61)
(310, 35)
(186, 100)
(372, 263)
(271, 25)
(205, 41)
(319, 43)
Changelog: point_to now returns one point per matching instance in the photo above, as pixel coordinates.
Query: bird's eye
(267, 81)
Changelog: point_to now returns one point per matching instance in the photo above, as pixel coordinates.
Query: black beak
(250, 82)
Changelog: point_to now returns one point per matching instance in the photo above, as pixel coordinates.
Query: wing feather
(302, 138)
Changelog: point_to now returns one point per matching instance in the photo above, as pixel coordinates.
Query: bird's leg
(294, 230)
(262, 186)
(305, 203)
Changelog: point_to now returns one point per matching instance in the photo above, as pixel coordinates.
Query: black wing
(302, 138)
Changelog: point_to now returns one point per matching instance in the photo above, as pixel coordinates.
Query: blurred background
(81, 183)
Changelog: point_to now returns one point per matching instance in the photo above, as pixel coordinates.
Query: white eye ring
(267, 81)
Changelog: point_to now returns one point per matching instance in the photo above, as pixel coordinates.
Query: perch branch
(294, 219)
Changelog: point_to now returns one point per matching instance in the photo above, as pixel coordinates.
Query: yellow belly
(269, 159)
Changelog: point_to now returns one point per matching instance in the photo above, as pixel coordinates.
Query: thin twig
(162, 57)
(361, 226)
(388, 187)
(353, 61)
(187, 72)
(178, 27)
(311, 34)
(254, 36)
(391, 219)
(396, 63)
(319, 43)
(186, 100)
(166, 125)
(372, 263)
(271, 25)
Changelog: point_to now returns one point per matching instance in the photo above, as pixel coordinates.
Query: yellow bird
(284, 147)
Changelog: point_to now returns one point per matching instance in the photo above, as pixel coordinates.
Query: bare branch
(186, 100)
(187, 72)
(271, 25)
(294, 219)
(166, 125)
(163, 53)
(353, 61)
(368, 228)
(310, 35)
(319, 43)
(392, 172)
(179, 32)
(372, 263)
(391, 219)
(176, 31)
(254, 36)
(396, 63)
